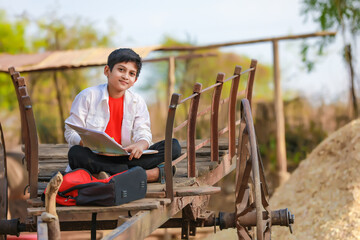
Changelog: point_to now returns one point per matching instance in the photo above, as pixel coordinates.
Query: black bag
(79, 187)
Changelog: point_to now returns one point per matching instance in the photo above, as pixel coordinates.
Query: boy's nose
(125, 76)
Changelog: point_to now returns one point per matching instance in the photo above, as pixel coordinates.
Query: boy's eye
(132, 74)
(121, 69)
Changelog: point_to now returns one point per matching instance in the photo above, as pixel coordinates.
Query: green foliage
(301, 140)
(334, 14)
(169, 41)
(12, 35)
(56, 34)
(8, 99)
(12, 41)
(51, 33)
(337, 15)
(304, 130)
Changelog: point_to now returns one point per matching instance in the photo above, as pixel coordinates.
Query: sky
(144, 23)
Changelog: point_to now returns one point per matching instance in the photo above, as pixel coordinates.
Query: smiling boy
(123, 115)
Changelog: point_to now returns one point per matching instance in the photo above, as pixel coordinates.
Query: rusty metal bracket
(283, 217)
(185, 229)
(11, 227)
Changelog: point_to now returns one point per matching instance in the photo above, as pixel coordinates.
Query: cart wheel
(251, 195)
(3, 181)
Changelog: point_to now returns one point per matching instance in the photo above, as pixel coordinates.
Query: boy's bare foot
(153, 174)
(102, 175)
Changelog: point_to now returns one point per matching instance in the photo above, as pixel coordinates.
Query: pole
(280, 119)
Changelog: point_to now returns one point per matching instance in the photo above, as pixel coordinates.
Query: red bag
(79, 187)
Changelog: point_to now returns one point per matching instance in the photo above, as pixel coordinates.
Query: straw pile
(324, 191)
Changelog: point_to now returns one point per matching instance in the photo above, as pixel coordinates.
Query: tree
(12, 41)
(343, 16)
(56, 34)
(51, 91)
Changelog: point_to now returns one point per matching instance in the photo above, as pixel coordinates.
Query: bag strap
(80, 186)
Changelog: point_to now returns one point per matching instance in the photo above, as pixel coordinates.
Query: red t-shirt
(116, 107)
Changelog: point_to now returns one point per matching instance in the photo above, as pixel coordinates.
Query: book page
(101, 143)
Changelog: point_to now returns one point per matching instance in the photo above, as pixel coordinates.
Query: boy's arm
(78, 113)
(141, 127)
(141, 131)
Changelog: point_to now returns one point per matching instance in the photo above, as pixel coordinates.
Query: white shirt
(90, 109)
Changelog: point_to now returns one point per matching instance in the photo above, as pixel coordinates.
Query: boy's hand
(136, 149)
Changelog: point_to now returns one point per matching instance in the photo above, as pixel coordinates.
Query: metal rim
(3, 179)
(251, 190)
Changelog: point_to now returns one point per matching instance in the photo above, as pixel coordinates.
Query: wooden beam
(145, 222)
(226, 166)
(287, 37)
(181, 57)
(141, 204)
(60, 105)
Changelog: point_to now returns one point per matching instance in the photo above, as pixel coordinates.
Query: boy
(123, 115)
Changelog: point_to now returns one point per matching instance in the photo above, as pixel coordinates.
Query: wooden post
(214, 121)
(50, 216)
(191, 131)
(171, 78)
(232, 110)
(61, 110)
(354, 112)
(280, 120)
(168, 145)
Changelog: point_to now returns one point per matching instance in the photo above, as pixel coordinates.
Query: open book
(101, 143)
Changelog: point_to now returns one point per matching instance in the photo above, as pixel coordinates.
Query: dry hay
(324, 191)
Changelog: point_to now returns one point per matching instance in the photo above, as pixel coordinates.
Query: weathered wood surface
(53, 158)
(141, 204)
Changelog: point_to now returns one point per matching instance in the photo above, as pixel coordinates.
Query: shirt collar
(105, 94)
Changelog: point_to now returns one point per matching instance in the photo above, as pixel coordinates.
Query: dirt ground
(324, 191)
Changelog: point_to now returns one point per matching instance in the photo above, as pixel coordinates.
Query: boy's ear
(106, 70)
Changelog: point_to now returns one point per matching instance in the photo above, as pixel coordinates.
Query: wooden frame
(191, 121)
(28, 130)
(160, 204)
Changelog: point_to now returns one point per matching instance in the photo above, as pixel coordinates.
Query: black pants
(83, 157)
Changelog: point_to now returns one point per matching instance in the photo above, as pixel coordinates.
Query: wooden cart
(202, 164)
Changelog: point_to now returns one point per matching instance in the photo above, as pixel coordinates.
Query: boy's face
(122, 77)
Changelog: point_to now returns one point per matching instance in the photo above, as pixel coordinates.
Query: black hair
(124, 55)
